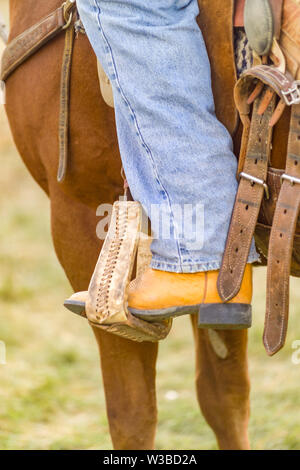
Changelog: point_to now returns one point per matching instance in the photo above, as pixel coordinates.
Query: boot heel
(225, 316)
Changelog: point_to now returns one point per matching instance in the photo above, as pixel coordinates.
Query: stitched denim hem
(161, 265)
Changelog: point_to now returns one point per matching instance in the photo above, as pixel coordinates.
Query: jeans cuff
(197, 267)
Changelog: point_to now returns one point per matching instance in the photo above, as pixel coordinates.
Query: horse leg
(128, 371)
(222, 384)
(128, 368)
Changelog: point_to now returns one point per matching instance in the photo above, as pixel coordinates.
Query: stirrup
(106, 300)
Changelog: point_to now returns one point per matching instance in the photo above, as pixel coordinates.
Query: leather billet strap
(251, 190)
(256, 157)
(31, 40)
(281, 243)
(283, 84)
(63, 135)
(259, 133)
(65, 83)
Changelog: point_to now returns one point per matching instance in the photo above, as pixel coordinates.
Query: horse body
(93, 177)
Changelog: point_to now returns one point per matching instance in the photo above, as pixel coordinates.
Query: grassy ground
(51, 395)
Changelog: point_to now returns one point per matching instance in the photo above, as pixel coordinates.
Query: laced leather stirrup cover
(106, 306)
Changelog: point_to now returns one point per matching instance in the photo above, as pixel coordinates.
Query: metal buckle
(253, 180)
(291, 179)
(292, 95)
(68, 13)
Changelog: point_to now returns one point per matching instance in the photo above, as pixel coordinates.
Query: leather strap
(281, 243)
(248, 202)
(283, 84)
(64, 104)
(287, 209)
(215, 20)
(249, 197)
(30, 41)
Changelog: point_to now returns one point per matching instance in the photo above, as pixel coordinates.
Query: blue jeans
(177, 156)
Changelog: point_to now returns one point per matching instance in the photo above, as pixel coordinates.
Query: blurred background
(51, 394)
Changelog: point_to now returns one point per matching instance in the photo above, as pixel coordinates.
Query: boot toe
(76, 303)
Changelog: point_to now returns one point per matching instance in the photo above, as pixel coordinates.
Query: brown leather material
(63, 134)
(276, 6)
(268, 206)
(30, 41)
(279, 82)
(248, 203)
(290, 35)
(266, 215)
(262, 238)
(281, 244)
(216, 23)
(280, 252)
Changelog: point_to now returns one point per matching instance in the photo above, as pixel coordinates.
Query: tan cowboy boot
(158, 295)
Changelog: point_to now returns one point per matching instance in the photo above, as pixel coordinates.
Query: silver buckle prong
(292, 179)
(253, 180)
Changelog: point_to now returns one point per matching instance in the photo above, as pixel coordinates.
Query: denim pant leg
(177, 156)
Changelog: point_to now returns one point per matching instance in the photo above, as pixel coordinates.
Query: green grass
(51, 394)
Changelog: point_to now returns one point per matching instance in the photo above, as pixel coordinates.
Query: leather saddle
(268, 198)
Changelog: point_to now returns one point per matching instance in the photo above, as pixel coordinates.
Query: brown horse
(93, 177)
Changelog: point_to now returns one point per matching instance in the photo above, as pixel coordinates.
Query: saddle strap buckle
(292, 179)
(292, 95)
(253, 180)
(68, 7)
